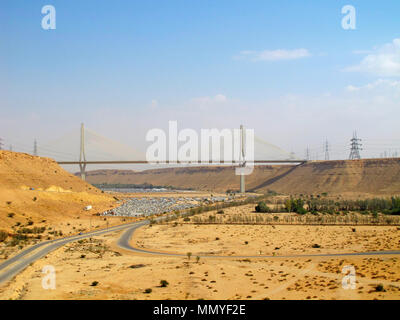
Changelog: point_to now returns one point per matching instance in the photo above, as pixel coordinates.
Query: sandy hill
(37, 189)
(368, 176)
(200, 178)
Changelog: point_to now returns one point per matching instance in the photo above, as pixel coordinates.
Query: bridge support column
(82, 157)
(83, 171)
(243, 157)
(242, 184)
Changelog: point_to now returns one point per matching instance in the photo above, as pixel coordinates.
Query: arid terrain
(37, 189)
(367, 177)
(214, 259)
(98, 269)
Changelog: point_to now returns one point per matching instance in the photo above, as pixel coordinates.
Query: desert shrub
(3, 236)
(20, 237)
(164, 283)
(262, 207)
(220, 211)
(36, 230)
(17, 239)
(186, 219)
(379, 288)
(189, 254)
(199, 210)
(94, 283)
(25, 230)
(316, 245)
(11, 215)
(148, 290)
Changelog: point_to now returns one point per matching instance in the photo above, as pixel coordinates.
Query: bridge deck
(179, 162)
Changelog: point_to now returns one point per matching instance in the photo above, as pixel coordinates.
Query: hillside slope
(367, 176)
(199, 178)
(36, 189)
(371, 176)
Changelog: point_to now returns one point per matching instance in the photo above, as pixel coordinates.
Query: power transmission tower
(326, 147)
(1, 144)
(355, 147)
(10, 147)
(308, 156)
(35, 152)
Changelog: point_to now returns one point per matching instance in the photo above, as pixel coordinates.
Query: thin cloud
(383, 61)
(378, 84)
(219, 98)
(274, 55)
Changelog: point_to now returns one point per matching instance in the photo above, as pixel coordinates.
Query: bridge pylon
(82, 157)
(243, 159)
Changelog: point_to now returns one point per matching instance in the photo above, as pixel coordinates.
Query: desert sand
(97, 269)
(39, 193)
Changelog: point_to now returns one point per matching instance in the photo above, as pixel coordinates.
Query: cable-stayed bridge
(86, 147)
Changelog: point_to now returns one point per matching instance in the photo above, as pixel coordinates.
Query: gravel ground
(148, 206)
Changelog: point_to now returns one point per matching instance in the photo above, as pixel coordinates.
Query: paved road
(20, 261)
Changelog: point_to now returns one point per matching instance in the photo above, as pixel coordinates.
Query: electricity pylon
(35, 152)
(355, 147)
(326, 147)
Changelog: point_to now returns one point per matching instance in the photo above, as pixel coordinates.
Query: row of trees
(302, 206)
(349, 219)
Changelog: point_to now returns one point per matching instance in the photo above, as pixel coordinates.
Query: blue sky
(130, 66)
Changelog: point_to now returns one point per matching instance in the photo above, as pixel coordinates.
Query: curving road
(19, 262)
